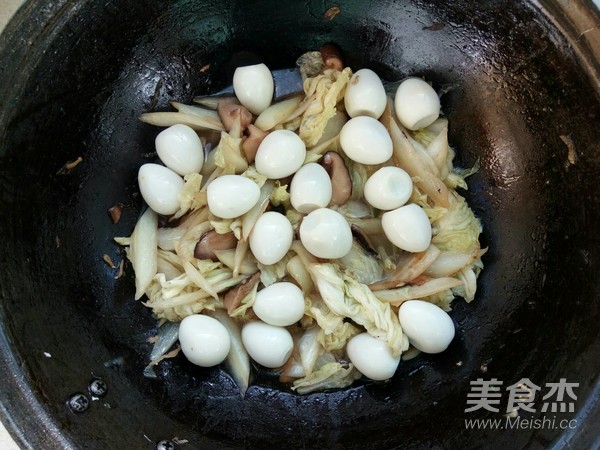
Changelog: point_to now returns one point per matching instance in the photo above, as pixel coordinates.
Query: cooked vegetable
(211, 242)
(428, 288)
(407, 158)
(167, 335)
(323, 92)
(346, 297)
(277, 113)
(143, 251)
(252, 142)
(333, 375)
(238, 361)
(197, 122)
(458, 229)
(232, 114)
(332, 57)
(341, 183)
(233, 297)
(229, 155)
(408, 268)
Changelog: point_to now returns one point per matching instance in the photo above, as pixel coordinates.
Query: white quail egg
(253, 86)
(280, 154)
(271, 237)
(428, 327)
(366, 141)
(279, 304)
(326, 234)
(231, 196)
(160, 188)
(268, 345)
(407, 228)
(372, 357)
(204, 340)
(310, 188)
(416, 103)
(365, 95)
(388, 188)
(180, 149)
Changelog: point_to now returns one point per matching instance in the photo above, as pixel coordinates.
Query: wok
(74, 78)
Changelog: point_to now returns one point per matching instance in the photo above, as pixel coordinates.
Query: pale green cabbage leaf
(332, 375)
(347, 297)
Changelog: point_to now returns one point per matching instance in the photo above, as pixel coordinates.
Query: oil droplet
(78, 403)
(165, 445)
(98, 388)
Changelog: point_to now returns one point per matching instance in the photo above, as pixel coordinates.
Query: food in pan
(321, 237)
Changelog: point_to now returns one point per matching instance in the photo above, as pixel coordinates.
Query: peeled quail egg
(372, 357)
(180, 149)
(366, 141)
(160, 188)
(231, 196)
(365, 95)
(326, 234)
(271, 237)
(428, 327)
(279, 304)
(204, 340)
(268, 345)
(408, 228)
(310, 188)
(280, 154)
(417, 104)
(253, 86)
(388, 188)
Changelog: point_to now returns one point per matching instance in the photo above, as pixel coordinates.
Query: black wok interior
(74, 78)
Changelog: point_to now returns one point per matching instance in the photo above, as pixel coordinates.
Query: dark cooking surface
(75, 76)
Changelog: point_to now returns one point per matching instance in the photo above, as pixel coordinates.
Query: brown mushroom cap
(211, 241)
(251, 143)
(332, 57)
(230, 110)
(234, 296)
(341, 183)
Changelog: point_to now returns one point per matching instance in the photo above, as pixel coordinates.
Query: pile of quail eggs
(324, 232)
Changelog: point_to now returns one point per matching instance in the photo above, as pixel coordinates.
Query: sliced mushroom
(363, 239)
(115, 212)
(341, 183)
(332, 57)
(234, 296)
(211, 241)
(230, 110)
(409, 270)
(251, 143)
